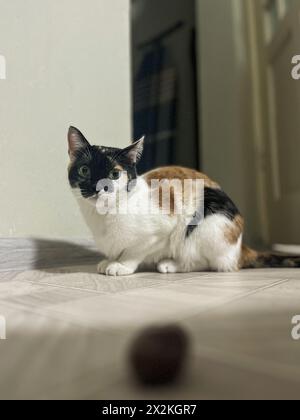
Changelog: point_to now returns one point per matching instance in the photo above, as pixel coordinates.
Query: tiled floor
(69, 330)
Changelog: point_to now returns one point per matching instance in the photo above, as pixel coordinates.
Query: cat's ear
(134, 152)
(76, 141)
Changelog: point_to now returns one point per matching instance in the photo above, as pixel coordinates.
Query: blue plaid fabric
(155, 105)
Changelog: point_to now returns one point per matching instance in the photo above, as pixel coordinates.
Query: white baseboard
(287, 249)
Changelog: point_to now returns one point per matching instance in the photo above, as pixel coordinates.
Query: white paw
(118, 269)
(102, 266)
(167, 266)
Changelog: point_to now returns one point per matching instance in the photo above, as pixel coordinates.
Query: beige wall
(229, 150)
(67, 63)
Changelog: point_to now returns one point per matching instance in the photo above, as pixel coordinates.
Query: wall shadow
(54, 254)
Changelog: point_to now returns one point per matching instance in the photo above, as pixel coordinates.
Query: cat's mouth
(92, 198)
(98, 196)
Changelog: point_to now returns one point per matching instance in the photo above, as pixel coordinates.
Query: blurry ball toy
(158, 354)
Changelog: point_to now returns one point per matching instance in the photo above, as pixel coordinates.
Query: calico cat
(169, 242)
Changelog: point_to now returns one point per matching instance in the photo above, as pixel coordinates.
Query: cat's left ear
(76, 141)
(134, 152)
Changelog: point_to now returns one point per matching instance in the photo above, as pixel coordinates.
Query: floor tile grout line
(59, 286)
(55, 315)
(261, 289)
(97, 292)
(212, 309)
(229, 300)
(122, 292)
(236, 299)
(127, 292)
(183, 280)
(170, 282)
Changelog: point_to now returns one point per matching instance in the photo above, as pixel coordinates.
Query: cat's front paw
(118, 269)
(167, 266)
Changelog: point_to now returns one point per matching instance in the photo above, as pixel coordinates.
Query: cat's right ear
(76, 141)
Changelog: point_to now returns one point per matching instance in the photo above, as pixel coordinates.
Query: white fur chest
(110, 232)
(113, 233)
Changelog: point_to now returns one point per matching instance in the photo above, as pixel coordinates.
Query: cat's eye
(115, 175)
(84, 171)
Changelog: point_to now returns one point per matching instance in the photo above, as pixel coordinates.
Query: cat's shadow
(72, 256)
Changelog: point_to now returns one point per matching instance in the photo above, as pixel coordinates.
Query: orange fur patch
(119, 168)
(233, 232)
(248, 257)
(173, 173)
(178, 172)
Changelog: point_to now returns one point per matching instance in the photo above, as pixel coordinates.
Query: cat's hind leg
(168, 266)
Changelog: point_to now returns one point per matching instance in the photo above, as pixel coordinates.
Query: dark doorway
(164, 80)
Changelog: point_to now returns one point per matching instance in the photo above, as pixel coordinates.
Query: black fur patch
(215, 202)
(101, 162)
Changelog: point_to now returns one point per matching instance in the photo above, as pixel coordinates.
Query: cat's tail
(254, 259)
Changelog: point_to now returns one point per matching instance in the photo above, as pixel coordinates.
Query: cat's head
(95, 170)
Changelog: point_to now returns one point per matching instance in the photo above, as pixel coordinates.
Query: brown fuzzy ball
(158, 354)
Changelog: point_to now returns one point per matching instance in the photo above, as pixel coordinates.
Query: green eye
(84, 171)
(115, 175)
